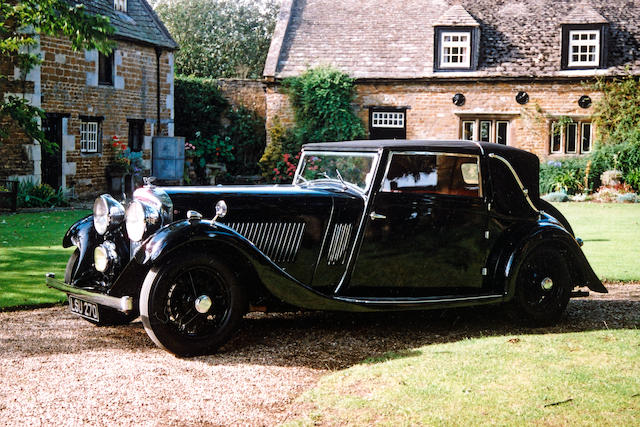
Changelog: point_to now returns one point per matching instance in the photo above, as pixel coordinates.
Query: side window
(433, 173)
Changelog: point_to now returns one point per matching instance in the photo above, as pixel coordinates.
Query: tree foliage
(20, 24)
(220, 38)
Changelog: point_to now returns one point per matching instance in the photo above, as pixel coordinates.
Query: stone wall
(68, 86)
(245, 92)
(431, 114)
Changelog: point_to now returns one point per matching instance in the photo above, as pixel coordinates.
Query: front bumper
(123, 304)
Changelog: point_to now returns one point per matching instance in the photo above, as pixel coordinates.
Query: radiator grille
(280, 241)
(338, 246)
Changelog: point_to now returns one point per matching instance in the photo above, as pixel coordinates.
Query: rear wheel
(107, 315)
(191, 305)
(543, 287)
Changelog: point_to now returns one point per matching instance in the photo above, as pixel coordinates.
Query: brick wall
(68, 86)
(247, 93)
(431, 113)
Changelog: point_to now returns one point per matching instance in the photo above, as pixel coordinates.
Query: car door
(426, 233)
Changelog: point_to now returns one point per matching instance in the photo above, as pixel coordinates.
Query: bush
(200, 107)
(247, 135)
(567, 175)
(32, 195)
(624, 156)
(321, 99)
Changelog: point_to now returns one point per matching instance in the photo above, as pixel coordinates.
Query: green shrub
(632, 178)
(321, 99)
(247, 134)
(32, 195)
(199, 107)
(624, 156)
(566, 175)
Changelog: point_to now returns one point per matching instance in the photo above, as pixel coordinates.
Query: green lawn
(586, 378)
(31, 246)
(611, 234)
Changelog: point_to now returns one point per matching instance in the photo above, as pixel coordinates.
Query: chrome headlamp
(107, 213)
(142, 219)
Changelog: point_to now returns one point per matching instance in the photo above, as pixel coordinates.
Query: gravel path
(57, 369)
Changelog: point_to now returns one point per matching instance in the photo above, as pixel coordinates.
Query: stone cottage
(518, 73)
(89, 98)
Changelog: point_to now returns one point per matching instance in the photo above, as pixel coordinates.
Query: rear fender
(550, 235)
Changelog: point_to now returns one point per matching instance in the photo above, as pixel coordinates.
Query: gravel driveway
(58, 369)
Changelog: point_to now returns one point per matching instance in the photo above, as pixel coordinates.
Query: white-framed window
(455, 49)
(382, 119)
(89, 133)
(584, 48)
(486, 130)
(120, 5)
(570, 138)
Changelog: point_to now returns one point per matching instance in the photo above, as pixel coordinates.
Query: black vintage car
(366, 226)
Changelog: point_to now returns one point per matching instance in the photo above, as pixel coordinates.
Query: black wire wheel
(543, 287)
(191, 305)
(107, 316)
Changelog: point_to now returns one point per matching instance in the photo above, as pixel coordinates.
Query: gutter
(158, 54)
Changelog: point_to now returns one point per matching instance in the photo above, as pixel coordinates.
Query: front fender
(549, 234)
(178, 236)
(81, 234)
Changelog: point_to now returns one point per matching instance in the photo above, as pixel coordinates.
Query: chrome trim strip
(124, 304)
(479, 146)
(416, 300)
(515, 175)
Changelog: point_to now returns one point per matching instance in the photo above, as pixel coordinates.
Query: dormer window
(456, 41)
(120, 5)
(455, 49)
(584, 48)
(584, 33)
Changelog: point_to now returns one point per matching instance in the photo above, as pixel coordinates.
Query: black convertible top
(526, 165)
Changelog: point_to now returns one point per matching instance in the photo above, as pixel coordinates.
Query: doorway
(52, 159)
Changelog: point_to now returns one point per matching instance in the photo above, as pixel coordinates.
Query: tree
(20, 24)
(220, 38)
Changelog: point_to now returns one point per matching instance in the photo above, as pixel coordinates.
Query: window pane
(586, 138)
(105, 69)
(556, 138)
(467, 130)
(572, 137)
(502, 133)
(429, 173)
(485, 131)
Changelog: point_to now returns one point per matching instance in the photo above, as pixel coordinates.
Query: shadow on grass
(317, 340)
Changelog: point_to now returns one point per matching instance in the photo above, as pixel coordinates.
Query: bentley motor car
(365, 226)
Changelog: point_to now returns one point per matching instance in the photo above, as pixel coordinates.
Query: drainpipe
(158, 54)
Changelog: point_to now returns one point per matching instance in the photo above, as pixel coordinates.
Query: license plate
(82, 308)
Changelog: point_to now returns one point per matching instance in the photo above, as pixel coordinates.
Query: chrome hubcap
(546, 283)
(203, 304)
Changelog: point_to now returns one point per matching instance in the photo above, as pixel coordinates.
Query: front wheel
(191, 305)
(543, 287)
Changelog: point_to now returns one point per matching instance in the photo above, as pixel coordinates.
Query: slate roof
(395, 40)
(140, 23)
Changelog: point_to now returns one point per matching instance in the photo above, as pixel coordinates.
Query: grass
(587, 378)
(31, 246)
(611, 234)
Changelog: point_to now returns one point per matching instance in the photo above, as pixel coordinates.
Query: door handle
(374, 216)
